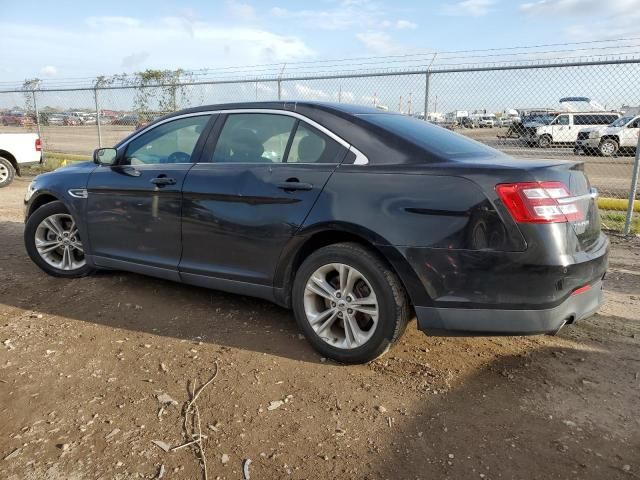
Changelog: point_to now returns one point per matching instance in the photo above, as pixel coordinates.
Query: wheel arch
(320, 236)
(611, 136)
(12, 160)
(40, 200)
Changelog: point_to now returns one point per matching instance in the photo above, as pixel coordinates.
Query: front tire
(545, 141)
(7, 172)
(349, 303)
(608, 147)
(53, 242)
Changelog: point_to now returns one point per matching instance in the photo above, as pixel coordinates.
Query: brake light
(38, 145)
(580, 290)
(539, 202)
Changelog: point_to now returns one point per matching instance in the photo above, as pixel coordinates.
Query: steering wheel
(179, 157)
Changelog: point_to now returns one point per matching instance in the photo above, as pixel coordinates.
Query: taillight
(539, 202)
(38, 145)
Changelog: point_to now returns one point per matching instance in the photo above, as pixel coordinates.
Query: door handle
(292, 185)
(162, 181)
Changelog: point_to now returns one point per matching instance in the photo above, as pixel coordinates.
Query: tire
(7, 172)
(36, 234)
(376, 280)
(545, 141)
(608, 147)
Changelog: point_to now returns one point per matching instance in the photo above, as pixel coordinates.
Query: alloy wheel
(341, 306)
(58, 242)
(607, 148)
(4, 173)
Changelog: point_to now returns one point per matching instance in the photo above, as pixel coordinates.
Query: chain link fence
(584, 111)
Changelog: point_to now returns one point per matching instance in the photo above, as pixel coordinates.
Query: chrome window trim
(361, 158)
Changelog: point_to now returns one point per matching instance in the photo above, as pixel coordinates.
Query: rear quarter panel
(21, 146)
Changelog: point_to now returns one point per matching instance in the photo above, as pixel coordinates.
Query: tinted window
(171, 142)
(562, 120)
(437, 140)
(253, 138)
(593, 119)
(312, 146)
(635, 123)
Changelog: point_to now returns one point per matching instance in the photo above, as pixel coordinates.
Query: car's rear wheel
(545, 141)
(7, 172)
(608, 147)
(349, 303)
(53, 242)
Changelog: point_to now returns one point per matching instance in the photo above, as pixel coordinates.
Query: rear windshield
(434, 139)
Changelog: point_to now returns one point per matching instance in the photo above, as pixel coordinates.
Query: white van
(564, 127)
(607, 141)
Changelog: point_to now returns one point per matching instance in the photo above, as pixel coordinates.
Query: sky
(64, 39)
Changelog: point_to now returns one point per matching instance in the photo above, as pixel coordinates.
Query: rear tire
(340, 321)
(608, 147)
(7, 172)
(53, 242)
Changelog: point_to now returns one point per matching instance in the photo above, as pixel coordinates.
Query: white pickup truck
(610, 139)
(17, 150)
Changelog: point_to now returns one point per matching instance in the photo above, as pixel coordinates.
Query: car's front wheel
(53, 242)
(608, 147)
(349, 303)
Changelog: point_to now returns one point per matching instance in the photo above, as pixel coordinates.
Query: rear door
(134, 208)
(252, 191)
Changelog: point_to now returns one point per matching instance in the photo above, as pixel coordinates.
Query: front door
(250, 194)
(562, 130)
(134, 208)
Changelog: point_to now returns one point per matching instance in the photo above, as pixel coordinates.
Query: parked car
(17, 150)
(20, 119)
(355, 218)
(71, 119)
(504, 122)
(608, 141)
(487, 121)
(128, 120)
(54, 119)
(564, 128)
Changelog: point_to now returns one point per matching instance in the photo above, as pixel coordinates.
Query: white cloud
(405, 24)
(242, 11)
(135, 60)
(467, 8)
(107, 45)
(111, 22)
(618, 19)
(48, 71)
(379, 43)
(345, 14)
(308, 93)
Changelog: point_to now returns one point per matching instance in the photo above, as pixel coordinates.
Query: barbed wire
(515, 55)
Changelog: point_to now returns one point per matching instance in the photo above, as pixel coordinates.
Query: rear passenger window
(311, 146)
(253, 138)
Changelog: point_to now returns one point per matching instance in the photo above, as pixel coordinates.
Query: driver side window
(562, 120)
(171, 142)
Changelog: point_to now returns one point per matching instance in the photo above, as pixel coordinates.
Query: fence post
(279, 90)
(426, 95)
(633, 190)
(35, 107)
(95, 98)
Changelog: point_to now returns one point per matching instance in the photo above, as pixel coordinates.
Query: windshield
(433, 139)
(621, 122)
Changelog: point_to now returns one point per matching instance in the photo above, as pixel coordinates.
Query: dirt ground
(82, 363)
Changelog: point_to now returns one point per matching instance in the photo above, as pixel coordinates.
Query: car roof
(291, 105)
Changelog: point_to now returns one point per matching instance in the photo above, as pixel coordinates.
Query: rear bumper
(470, 321)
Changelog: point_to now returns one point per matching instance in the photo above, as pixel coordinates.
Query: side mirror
(105, 156)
